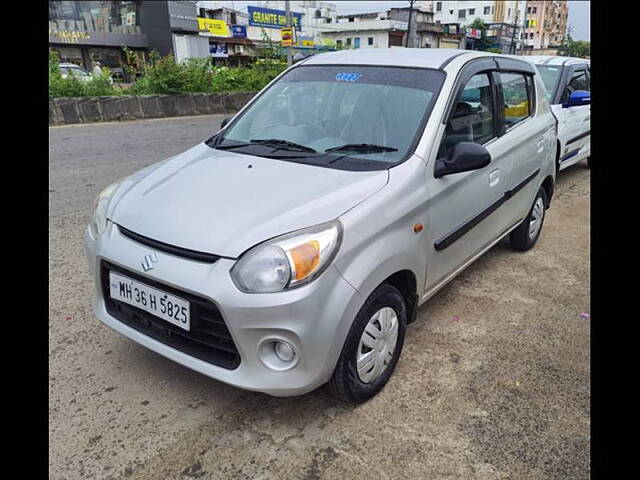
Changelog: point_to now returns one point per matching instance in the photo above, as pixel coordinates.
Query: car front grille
(208, 339)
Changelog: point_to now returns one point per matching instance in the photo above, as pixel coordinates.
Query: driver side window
(471, 119)
(578, 81)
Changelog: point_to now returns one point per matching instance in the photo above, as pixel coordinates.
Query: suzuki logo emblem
(149, 262)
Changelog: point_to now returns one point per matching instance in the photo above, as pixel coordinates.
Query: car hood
(224, 203)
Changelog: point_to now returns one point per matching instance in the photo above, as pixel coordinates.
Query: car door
(575, 121)
(527, 138)
(462, 217)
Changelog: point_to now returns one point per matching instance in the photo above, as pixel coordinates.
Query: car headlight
(287, 261)
(98, 223)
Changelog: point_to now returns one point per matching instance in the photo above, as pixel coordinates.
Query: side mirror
(579, 97)
(464, 157)
(225, 121)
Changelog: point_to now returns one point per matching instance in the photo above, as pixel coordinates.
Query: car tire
(347, 382)
(526, 234)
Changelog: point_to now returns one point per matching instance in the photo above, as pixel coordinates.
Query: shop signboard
(183, 15)
(266, 17)
(306, 42)
(218, 50)
(215, 27)
(239, 31)
(474, 33)
(69, 36)
(286, 35)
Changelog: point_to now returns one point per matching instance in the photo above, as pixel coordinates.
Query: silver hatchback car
(293, 247)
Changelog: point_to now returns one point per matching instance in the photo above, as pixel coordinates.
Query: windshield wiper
(233, 145)
(282, 144)
(361, 148)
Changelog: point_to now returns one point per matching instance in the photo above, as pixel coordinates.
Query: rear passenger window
(516, 91)
(471, 119)
(578, 81)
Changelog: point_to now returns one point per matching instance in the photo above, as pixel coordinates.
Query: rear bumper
(314, 319)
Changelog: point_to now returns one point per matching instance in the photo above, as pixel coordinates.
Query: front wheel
(372, 347)
(526, 235)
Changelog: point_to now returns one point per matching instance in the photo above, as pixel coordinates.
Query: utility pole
(515, 29)
(288, 13)
(406, 43)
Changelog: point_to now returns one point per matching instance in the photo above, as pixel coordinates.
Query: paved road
(493, 382)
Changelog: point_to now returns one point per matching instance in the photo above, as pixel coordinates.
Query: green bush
(162, 75)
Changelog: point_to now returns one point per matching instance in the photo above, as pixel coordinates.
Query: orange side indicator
(305, 258)
(417, 228)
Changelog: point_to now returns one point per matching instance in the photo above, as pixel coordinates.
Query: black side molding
(165, 247)
(582, 135)
(460, 231)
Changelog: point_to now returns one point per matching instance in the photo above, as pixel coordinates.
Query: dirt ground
(493, 382)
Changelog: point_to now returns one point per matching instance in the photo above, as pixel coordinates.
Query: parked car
(67, 69)
(568, 84)
(293, 247)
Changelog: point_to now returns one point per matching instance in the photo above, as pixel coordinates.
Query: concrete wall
(67, 110)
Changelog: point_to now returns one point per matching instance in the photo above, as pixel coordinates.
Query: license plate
(163, 305)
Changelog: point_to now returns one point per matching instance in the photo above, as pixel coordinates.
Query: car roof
(394, 57)
(553, 60)
(70, 65)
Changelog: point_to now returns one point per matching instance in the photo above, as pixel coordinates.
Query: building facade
(86, 32)
(365, 30)
(424, 32)
(546, 25)
(505, 20)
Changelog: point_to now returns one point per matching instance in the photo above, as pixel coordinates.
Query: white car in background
(568, 84)
(67, 69)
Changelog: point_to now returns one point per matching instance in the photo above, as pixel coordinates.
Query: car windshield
(550, 76)
(347, 117)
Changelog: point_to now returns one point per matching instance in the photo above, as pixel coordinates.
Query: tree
(575, 48)
(484, 43)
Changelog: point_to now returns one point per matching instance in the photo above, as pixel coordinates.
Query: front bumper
(314, 318)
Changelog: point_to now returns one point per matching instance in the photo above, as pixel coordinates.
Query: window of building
(339, 43)
(534, 10)
(528, 9)
(348, 42)
(356, 42)
(486, 11)
(115, 16)
(472, 11)
(462, 13)
(370, 41)
(438, 6)
(516, 98)
(531, 35)
(351, 19)
(318, 13)
(471, 119)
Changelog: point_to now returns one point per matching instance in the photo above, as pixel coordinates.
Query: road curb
(78, 110)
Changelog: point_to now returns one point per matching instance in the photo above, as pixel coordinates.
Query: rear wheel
(526, 235)
(372, 347)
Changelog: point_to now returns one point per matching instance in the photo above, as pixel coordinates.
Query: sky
(579, 11)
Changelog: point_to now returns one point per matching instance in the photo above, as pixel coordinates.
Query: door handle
(540, 144)
(494, 177)
(587, 118)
